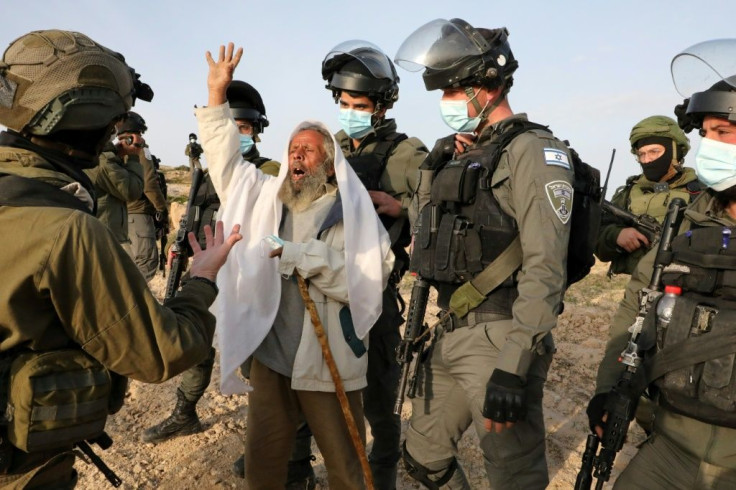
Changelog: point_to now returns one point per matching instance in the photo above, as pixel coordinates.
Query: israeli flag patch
(553, 156)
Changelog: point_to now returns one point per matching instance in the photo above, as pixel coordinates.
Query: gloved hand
(441, 153)
(464, 299)
(161, 219)
(505, 397)
(596, 409)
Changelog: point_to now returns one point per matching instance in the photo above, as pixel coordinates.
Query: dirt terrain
(204, 460)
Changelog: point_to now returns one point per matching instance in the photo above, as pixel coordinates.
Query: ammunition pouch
(457, 182)
(694, 363)
(699, 382)
(57, 398)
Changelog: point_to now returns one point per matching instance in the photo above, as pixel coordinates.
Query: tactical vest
(369, 168)
(652, 202)
(52, 399)
(463, 228)
(693, 361)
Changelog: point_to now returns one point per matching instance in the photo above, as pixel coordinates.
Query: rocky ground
(204, 460)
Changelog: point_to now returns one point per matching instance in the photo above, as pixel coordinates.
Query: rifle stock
(622, 400)
(179, 247)
(405, 352)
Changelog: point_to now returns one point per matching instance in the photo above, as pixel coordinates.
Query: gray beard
(310, 188)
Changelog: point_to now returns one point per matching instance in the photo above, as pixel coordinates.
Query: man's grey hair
(327, 144)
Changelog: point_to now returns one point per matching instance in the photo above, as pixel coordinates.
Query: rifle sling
(690, 351)
(500, 269)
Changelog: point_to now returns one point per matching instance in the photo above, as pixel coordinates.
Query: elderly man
(330, 235)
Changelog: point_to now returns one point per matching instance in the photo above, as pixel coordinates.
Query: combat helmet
(659, 127)
(55, 80)
(246, 103)
(133, 123)
(709, 64)
(455, 54)
(361, 66)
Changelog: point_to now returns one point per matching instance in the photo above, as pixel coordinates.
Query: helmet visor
(438, 45)
(704, 64)
(370, 55)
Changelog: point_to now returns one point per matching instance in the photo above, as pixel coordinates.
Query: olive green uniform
(640, 196)
(399, 180)
(464, 354)
(141, 220)
(67, 283)
(682, 452)
(116, 182)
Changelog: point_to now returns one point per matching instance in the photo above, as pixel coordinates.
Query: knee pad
(422, 474)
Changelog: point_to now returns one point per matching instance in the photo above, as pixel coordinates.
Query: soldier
(364, 83)
(119, 178)
(660, 147)
(486, 367)
(193, 150)
(149, 209)
(694, 434)
(249, 113)
(75, 307)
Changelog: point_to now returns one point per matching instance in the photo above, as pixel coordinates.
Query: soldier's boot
(183, 421)
(300, 475)
(384, 476)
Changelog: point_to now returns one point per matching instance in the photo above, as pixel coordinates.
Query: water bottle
(665, 307)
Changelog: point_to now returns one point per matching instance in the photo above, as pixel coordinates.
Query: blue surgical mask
(355, 123)
(715, 164)
(455, 114)
(246, 143)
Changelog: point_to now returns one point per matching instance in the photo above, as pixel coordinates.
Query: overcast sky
(588, 69)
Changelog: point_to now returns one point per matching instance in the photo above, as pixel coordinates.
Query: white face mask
(715, 164)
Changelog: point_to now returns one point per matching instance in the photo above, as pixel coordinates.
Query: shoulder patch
(560, 195)
(553, 156)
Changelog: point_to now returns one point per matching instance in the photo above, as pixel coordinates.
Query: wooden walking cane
(339, 388)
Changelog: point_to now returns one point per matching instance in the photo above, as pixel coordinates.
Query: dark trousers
(194, 381)
(380, 394)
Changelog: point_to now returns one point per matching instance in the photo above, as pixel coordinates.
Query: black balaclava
(656, 169)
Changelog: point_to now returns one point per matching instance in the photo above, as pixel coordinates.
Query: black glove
(161, 220)
(686, 121)
(442, 153)
(505, 397)
(596, 409)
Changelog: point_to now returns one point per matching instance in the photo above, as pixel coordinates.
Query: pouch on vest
(56, 398)
(693, 366)
(457, 182)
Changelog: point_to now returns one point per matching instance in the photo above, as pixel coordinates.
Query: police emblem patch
(560, 195)
(553, 156)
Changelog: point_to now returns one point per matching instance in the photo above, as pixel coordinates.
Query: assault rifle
(179, 247)
(104, 442)
(644, 224)
(621, 401)
(411, 343)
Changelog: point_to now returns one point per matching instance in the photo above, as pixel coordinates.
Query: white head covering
(250, 288)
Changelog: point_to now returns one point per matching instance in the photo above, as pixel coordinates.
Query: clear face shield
(439, 45)
(369, 55)
(702, 65)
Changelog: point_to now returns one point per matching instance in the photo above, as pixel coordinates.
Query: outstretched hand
(206, 263)
(221, 73)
